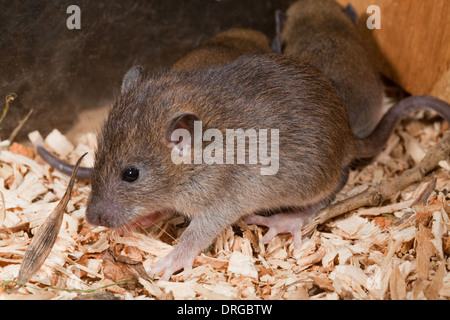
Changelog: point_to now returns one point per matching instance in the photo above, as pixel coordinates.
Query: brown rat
(140, 183)
(224, 48)
(135, 182)
(321, 32)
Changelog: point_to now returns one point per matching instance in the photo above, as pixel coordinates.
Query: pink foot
(281, 223)
(170, 264)
(183, 255)
(199, 234)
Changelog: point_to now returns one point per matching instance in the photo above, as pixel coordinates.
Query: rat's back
(321, 32)
(223, 48)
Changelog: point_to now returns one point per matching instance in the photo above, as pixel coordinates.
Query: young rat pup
(224, 48)
(321, 32)
(135, 181)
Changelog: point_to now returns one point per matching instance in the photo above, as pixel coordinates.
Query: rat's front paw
(171, 263)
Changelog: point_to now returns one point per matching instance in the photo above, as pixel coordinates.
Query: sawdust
(399, 250)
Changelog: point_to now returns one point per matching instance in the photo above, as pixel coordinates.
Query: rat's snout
(104, 212)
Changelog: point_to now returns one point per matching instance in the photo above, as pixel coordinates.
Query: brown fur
(263, 91)
(320, 32)
(221, 49)
(224, 48)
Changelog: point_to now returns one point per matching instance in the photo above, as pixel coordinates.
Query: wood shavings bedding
(395, 251)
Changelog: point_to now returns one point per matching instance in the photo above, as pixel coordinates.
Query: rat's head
(133, 174)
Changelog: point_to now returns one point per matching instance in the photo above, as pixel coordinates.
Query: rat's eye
(130, 175)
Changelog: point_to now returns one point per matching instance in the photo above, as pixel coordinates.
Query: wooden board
(413, 44)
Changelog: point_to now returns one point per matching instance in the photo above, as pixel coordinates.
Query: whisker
(162, 231)
(129, 230)
(130, 233)
(143, 229)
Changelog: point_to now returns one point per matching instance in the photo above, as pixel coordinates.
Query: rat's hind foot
(281, 223)
(287, 222)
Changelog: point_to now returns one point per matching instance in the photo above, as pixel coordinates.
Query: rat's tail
(373, 144)
(58, 164)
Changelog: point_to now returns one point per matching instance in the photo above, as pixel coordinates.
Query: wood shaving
(399, 250)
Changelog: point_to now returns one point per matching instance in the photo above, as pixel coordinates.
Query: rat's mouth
(148, 220)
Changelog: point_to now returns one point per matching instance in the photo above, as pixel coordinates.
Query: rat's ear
(351, 13)
(131, 79)
(183, 121)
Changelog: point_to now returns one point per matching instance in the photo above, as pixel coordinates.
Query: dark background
(59, 72)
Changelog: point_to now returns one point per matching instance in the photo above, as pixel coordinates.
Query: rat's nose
(103, 213)
(93, 218)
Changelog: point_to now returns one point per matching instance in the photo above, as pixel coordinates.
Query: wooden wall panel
(413, 45)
